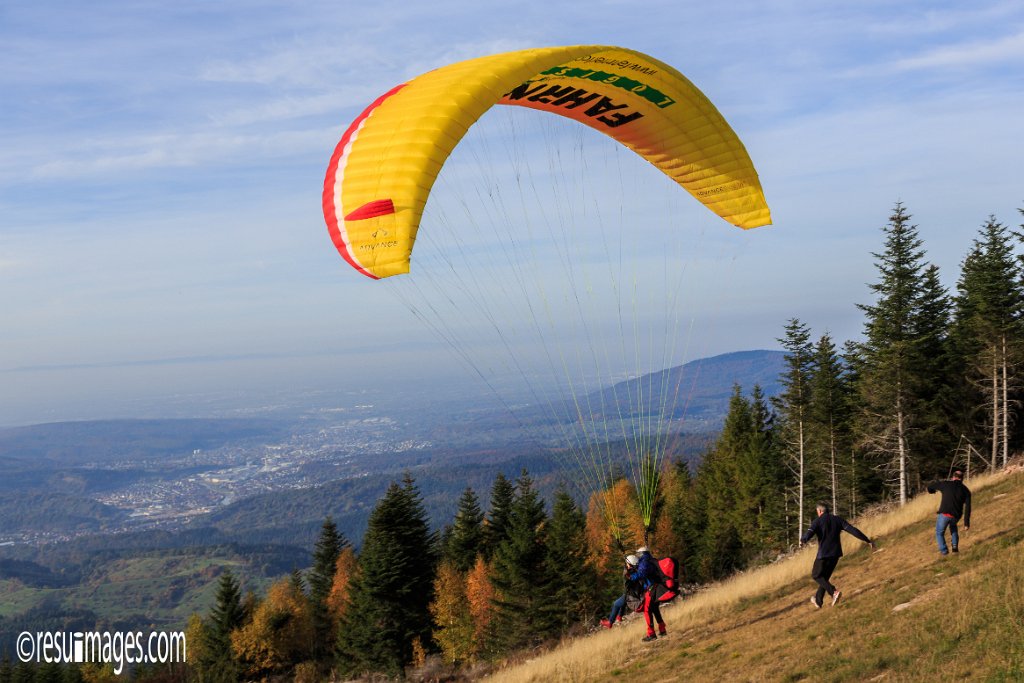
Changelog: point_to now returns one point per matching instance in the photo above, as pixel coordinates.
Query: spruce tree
(388, 605)
(575, 596)
(226, 616)
(888, 383)
(768, 476)
(830, 417)
(524, 613)
(937, 433)
(321, 578)
(792, 405)
(721, 544)
(990, 306)
(466, 539)
(503, 494)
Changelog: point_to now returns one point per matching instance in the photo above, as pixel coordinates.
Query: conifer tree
(936, 434)
(388, 606)
(829, 414)
(524, 614)
(321, 579)
(466, 539)
(764, 477)
(226, 616)
(575, 595)
(688, 517)
(888, 382)
(503, 494)
(721, 545)
(990, 306)
(792, 405)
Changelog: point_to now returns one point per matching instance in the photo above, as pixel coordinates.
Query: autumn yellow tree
(453, 620)
(345, 570)
(480, 597)
(614, 525)
(279, 635)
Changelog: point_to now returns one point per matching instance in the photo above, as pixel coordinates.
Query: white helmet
(642, 549)
(632, 560)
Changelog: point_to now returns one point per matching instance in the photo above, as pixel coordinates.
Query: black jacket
(827, 528)
(956, 499)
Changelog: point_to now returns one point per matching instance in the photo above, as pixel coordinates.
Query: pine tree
(502, 497)
(792, 405)
(575, 595)
(990, 306)
(936, 434)
(388, 607)
(765, 477)
(321, 578)
(829, 414)
(889, 386)
(226, 616)
(524, 614)
(688, 518)
(466, 539)
(721, 544)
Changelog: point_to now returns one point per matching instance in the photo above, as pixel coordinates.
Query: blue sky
(162, 248)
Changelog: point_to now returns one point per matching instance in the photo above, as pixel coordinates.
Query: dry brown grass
(758, 625)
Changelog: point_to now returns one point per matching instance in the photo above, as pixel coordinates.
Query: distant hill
(699, 391)
(55, 513)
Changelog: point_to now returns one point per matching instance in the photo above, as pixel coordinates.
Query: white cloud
(985, 52)
(119, 155)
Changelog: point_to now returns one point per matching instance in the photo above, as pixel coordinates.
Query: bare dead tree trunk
(995, 408)
(832, 450)
(1006, 401)
(853, 482)
(901, 443)
(800, 494)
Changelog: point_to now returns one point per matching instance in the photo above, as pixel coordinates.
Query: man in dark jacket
(827, 527)
(956, 503)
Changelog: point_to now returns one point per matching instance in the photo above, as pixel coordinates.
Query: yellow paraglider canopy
(383, 168)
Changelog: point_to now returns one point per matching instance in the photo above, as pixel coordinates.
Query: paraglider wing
(382, 170)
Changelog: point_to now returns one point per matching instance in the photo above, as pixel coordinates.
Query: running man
(827, 527)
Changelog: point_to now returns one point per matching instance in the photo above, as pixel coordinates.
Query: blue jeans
(618, 607)
(940, 532)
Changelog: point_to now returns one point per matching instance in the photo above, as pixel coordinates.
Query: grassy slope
(906, 614)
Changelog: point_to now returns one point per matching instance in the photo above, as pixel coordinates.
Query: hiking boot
(649, 638)
(835, 597)
(662, 631)
(606, 623)
(815, 603)
(955, 549)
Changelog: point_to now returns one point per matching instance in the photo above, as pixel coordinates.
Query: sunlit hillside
(907, 613)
